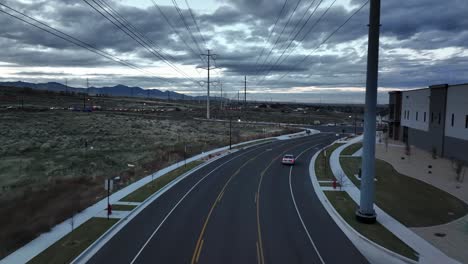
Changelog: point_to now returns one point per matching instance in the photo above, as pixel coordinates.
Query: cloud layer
(422, 43)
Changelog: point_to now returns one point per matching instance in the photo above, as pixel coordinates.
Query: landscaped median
(412, 202)
(70, 246)
(90, 230)
(147, 190)
(345, 206)
(322, 167)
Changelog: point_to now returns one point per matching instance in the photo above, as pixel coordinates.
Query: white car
(288, 159)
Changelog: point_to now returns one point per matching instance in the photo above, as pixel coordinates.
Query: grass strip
(322, 166)
(122, 207)
(346, 207)
(350, 150)
(71, 245)
(148, 189)
(412, 202)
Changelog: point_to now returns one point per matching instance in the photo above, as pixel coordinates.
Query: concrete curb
(104, 238)
(428, 253)
(45, 240)
(371, 250)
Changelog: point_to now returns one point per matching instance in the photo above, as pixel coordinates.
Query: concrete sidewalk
(427, 252)
(43, 241)
(441, 174)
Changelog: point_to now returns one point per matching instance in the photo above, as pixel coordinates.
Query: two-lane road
(243, 208)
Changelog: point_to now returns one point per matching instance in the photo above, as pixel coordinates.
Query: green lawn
(413, 202)
(346, 207)
(322, 167)
(70, 246)
(351, 149)
(122, 207)
(147, 190)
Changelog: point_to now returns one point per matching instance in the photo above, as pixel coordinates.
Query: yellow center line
(196, 253)
(258, 254)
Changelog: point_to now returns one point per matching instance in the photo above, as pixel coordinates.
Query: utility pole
(222, 99)
(365, 213)
(84, 95)
(209, 56)
(245, 92)
(66, 86)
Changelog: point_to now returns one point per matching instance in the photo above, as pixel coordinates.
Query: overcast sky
(423, 42)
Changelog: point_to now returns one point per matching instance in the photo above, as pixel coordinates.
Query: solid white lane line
(181, 199)
(299, 214)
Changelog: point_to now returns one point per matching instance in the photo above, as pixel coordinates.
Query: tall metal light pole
(208, 89)
(365, 212)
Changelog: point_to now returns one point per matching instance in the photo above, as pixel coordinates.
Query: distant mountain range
(118, 90)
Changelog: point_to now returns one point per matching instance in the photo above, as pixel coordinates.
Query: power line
(124, 28)
(196, 24)
(278, 62)
(176, 31)
(280, 35)
(328, 37)
(308, 32)
(271, 32)
(75, 41)
(138, 33)
(181, 15)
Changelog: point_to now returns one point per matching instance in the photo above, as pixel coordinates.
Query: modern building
(434, 119)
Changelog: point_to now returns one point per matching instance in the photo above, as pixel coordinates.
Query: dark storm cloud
(238, 30)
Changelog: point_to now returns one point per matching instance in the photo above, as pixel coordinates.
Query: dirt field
(54, 157)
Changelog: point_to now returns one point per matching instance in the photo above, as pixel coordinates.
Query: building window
(440, 117)
(408, 115)
(432, 117)
(424, 117)
(453, 119)
(417, 116)
(466, 121)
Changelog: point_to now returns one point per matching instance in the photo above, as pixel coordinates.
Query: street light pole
(230, 132)
(365, 213)
(108, 198)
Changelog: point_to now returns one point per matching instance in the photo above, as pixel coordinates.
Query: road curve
(243, 208)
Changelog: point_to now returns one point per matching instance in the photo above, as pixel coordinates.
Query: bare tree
(460, 169)
(342, 180)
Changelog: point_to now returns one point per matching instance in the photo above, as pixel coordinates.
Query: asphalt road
(243, 208)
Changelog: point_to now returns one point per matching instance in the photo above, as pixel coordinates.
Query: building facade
(434, 119)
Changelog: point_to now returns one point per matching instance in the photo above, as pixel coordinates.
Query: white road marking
(181, 199)
(299, 214)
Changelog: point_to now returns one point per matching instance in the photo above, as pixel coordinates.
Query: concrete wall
(455, 148)
(457, 104)
(437, 118)
(421, 139)
(436, 131)
(414, 104)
